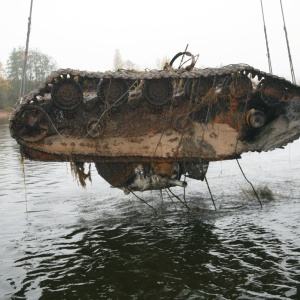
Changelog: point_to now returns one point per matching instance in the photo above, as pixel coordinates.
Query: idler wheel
(236, 86)
(158, 91)
(67, 94)
(182, 123)
(95, 128)
(272, 93)
(189, 67)
(255, 118)
(197, 88)
(114, 92)
(31, 124)
(240, 87)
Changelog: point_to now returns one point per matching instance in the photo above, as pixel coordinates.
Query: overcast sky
(85, 34)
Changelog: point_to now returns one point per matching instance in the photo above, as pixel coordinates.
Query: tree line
(127, 64)
(39, 66)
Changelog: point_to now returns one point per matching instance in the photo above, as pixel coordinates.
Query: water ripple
(59, 241)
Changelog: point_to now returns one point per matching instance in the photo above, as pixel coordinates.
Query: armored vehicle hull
(144, 130)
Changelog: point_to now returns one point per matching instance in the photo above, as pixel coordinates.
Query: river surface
(61, 241)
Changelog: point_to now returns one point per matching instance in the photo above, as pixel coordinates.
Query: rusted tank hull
(143, 130)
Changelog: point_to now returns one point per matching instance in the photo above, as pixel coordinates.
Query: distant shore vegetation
(39, 66)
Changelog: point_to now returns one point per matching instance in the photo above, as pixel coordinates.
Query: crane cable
(266, 38)
(22, 88)
(288, 46)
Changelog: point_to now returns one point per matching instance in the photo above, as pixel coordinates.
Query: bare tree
(118, 62)
(4, 87)
(160, 63)
(39, 66)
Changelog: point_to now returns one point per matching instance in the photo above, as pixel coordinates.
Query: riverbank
(4, 114)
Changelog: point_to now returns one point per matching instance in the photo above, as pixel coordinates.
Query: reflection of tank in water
(144, 130)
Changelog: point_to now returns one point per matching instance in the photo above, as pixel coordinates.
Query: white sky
(85, 34)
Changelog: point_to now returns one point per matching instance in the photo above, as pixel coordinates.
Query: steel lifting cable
(257, 196)
(181, 64)
(22, 88)
(288, 46)
(105, 111)
(211, 195)
(266, 38)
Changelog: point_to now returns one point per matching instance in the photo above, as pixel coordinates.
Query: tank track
(95, 77)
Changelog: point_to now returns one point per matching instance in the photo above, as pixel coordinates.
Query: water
(60, 241)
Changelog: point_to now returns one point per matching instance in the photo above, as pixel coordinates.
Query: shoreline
(4, 114)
